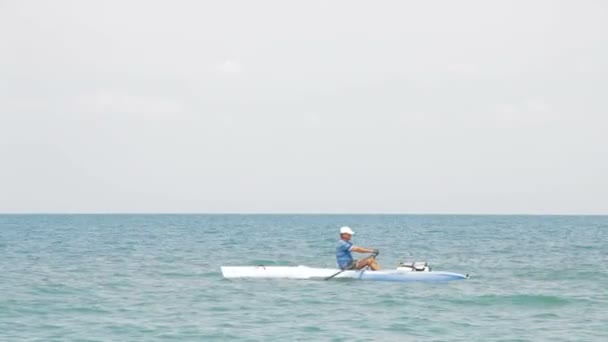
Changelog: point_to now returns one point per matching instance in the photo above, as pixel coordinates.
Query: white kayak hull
(304, 272)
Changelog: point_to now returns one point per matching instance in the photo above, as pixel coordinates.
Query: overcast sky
(304, 106)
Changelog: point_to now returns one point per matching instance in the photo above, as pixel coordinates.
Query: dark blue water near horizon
(157, 277)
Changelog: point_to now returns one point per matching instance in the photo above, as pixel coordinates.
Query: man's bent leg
(374, 265)
(371, 262)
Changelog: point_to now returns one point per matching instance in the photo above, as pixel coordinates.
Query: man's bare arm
(362, 249)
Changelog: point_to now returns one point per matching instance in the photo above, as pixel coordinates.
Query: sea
(157, 278)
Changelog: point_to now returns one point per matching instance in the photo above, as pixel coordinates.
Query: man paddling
(345, 258)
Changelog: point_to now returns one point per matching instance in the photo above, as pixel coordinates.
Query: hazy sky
(304, 106)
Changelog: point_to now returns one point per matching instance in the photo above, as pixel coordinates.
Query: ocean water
(157, 278)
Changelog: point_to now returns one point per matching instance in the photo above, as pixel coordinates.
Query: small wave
(173, 274)
(518, 300)
(86, 310)
(546, 315)
(219, 309)
(311, 328)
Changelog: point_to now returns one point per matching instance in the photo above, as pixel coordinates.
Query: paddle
(348, 268)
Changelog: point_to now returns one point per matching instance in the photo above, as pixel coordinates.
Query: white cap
(346, 230)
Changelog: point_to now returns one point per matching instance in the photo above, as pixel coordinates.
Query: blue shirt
(343, 255)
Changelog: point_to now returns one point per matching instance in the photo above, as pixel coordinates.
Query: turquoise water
(157, 278)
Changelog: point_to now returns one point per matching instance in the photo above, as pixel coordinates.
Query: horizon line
(303, 213)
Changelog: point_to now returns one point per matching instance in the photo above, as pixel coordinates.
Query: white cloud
(108, 103)
(229, 67)
(537, 106)
(463, 68)
(532, 113)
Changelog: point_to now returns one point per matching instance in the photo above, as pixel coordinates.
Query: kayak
(401, 274)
